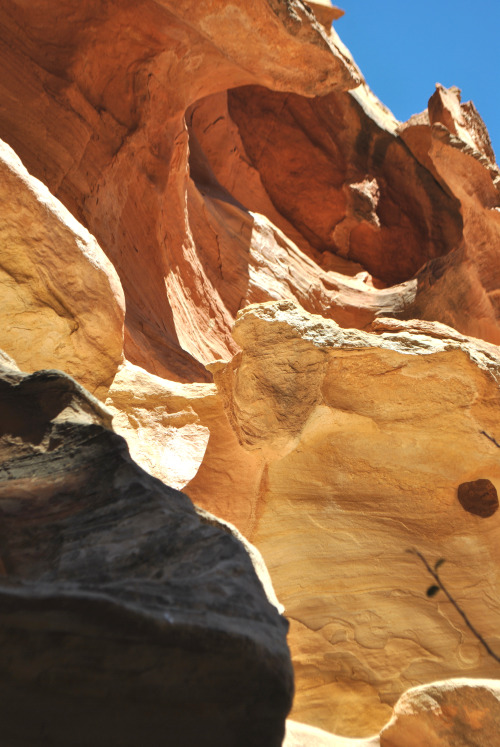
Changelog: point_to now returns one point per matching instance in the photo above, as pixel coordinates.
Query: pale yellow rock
(62, 304)
(454, 713)
(156, 417)
(325, 12)
(334, 482)
(302, 735)
(7, 362)
(364, 440)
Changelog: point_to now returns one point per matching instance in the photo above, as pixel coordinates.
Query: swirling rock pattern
(362, 441)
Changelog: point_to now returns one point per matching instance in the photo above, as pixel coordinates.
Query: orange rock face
(461, 289)
(153, 155)
(364, 443)
(422, 222)
(174, 163)
(98, 115)
(333, 152)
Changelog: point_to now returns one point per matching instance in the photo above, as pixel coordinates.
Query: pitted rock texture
(62, 303)
(362, 441)
(479, 497)
(126, 617)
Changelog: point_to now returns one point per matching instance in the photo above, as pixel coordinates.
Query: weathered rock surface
(461, 289)
(322, 188)
(158, 159)
(61, 300)
(453, 713)
(413, 206)
(98, 114)
(148, 410)
(126, 617)
(218, 156)
(445, 107)
(351, 475)
(260, 256)
(457, 713)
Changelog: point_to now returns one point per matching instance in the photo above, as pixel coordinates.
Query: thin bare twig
(435, 575)
(491, 438)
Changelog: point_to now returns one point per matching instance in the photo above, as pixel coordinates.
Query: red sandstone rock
(445, 107)
(139, 144)
(461, 289)
(97, 112)
(438, 225)
(325, 12)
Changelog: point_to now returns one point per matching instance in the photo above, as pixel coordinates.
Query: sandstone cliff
(287, 303)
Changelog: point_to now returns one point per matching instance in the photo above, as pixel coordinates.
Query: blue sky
(404, 48)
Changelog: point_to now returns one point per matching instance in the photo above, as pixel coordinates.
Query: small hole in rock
(478, 497)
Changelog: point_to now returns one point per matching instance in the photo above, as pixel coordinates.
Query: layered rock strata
(126, 617)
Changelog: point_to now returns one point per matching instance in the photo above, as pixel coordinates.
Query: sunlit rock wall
(168, 164)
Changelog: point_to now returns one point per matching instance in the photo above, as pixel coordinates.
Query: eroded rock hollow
(287, 303)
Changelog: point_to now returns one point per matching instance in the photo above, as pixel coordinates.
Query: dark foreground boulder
(125, 618)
